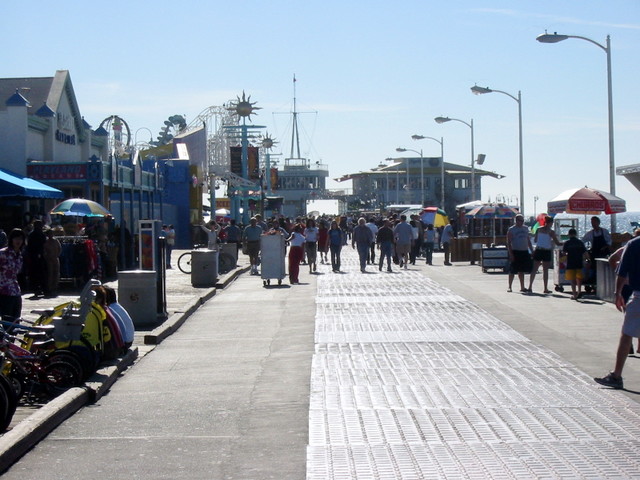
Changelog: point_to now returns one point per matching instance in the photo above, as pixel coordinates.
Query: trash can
(204, 268)
(230, 249)
(137, 293)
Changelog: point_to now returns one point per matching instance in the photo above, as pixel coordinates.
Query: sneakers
(610, 381)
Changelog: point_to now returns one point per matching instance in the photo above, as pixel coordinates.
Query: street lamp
(555, 38)
(473, 160)
(400, 149)
(441, 142)
(482, 90)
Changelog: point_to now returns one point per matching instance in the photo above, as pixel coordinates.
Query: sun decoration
(244, 107)
(268, 142)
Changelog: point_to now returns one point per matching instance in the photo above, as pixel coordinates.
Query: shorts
(631, 324)
(521, 262)
(253, 248)
(542, 255)
(402, 248)
(573, 274)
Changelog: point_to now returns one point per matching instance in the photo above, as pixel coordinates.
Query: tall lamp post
(473, 160)
(400, 149)
(555, 38)
(482, 90)
(441, 142)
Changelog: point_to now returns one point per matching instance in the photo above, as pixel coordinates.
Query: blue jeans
(335, 256)
(386, 250)
(363, 253)
(428, 248)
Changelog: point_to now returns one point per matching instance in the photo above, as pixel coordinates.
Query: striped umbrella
(80, 207)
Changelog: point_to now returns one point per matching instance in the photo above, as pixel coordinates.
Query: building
(44, 136)
(416, 181)
(299, 181)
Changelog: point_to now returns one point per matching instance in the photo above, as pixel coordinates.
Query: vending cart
(272, 252)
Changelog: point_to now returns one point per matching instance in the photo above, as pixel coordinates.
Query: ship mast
(295, 137)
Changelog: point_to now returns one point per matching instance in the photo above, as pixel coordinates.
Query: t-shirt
(574, 249)
(630, 265)
(403, 233)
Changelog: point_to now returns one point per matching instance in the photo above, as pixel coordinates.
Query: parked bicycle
(41, 371)
(226, 262)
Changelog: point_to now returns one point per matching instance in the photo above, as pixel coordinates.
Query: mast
(295, 138)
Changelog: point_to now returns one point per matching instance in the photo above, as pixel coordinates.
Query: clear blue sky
(375, 72)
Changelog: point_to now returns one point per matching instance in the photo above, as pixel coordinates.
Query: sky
(369, 73)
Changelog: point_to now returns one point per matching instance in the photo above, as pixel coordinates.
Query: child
(576, 253)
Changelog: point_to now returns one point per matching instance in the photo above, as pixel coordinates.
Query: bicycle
(226, 262)
(44, 369)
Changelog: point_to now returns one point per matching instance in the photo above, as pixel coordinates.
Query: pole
(421, 179)
(612, 163)
(442, 204)
(473, 167)
(521, 156)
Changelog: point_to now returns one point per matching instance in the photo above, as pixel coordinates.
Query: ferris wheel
(119, 134)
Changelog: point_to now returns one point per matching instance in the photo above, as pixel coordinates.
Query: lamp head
(400, 149)
(551, 37)
(442, 119)
(418, 137)
(476, 90)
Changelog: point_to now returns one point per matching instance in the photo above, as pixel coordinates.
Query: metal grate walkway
(411, 381)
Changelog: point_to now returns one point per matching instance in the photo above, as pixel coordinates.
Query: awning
(14, 185)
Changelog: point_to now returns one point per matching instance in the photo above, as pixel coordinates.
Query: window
(461, 183)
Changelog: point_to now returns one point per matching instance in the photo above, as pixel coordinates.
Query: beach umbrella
(588, 201)
(435, 216)
(222, 212)
(493, 210)
(80, 207)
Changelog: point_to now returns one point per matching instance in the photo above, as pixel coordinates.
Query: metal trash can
(204, 268)
(137, 293)
(230, 249)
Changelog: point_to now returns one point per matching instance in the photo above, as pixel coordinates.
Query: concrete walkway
(412, 379)
(438, 372)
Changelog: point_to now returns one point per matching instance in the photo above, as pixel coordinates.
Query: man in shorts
(519, 246)
(628, 273)
(403, 234)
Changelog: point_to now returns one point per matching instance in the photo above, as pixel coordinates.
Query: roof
(17, 186)
(34, 90)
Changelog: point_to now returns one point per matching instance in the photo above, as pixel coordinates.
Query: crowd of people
(393, 239)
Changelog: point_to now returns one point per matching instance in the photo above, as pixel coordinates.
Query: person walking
(429, 243)
(51, 254)
(403, 234)
(384, 239)
(371, 258)
(336, 240)
(362, 238)
(170, 235)
(323, 241)
(296, 252)
(519, 246)
(251, 238)
(544, 239)
(10, 266)
(448, 234)
(36, 266)
(311, 244)
(628, 273)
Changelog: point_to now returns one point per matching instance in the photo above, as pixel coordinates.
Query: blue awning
(14, 185)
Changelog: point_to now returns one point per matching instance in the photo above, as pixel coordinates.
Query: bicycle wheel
(60, 375)
(8, 403)
(184, 263)
(226, 263)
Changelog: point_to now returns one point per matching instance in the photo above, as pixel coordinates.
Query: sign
(70, 171)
